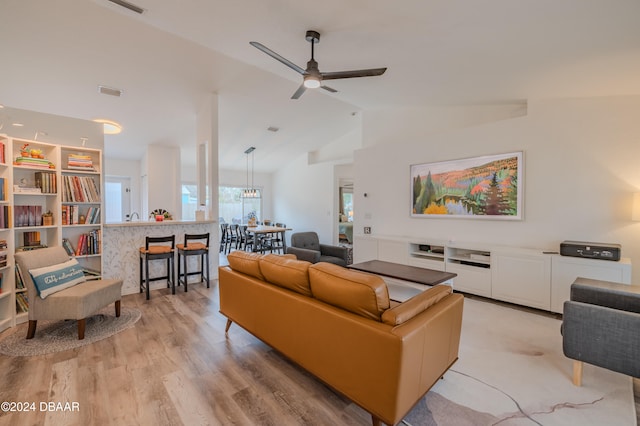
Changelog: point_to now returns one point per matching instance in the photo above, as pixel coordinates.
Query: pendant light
(250, 191)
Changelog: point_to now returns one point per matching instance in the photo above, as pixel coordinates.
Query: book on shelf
(1, 281)
(47, 182)
(26, 189)
(80, 162)
(5, 216)
(22, 302)
(3, 153)
(41, 163)
(91, 274)
(89, 243)
(80, 189)
(27, 216)
(70, 215)
(19, 282)
(93, 215)
(31, 238)
(66, 244)
(3, 253)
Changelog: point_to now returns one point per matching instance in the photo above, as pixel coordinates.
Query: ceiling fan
(312, 77)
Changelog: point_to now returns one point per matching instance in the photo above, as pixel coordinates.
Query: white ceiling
(54, 54)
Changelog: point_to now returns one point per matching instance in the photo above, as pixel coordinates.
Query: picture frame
(484, 187)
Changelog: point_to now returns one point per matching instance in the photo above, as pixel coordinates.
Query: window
(235, 209)
(189, 201)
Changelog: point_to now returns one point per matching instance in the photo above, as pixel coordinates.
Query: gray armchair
(601, 326)
(306, 246)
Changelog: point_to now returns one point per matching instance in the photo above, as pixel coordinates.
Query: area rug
(511, 371)
(56, 336)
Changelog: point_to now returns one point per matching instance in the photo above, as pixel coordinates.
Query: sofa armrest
(605, 293)
(602, 336)
(312, 256)
(416, 305)
(335, 251)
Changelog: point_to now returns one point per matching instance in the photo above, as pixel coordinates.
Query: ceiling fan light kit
(311, 82)
(312, 77)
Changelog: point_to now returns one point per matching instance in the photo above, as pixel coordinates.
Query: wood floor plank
(192, 408)
(64, 390)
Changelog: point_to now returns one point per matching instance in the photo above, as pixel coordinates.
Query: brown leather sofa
(340, 325)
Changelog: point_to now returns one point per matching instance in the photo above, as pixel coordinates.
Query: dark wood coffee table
(412, 274)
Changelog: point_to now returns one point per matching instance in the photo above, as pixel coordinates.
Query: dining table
(261, 236)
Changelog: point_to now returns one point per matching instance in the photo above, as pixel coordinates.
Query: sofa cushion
(417, 304)
(246, 263)
(286, 271)
(55, 278)
(358, 292)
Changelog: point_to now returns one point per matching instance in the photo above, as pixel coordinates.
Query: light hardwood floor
(174, 367)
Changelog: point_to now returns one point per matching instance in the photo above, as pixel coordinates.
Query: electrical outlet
(367, 229)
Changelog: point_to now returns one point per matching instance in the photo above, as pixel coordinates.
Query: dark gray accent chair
(601, 326)
(306, 246)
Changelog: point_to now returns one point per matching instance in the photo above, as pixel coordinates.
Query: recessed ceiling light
(17, 124)
(110, 127)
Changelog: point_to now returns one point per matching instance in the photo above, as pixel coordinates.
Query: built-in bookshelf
(81, 206)
(50, 195)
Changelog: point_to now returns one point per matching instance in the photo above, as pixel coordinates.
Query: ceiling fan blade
(329, 89)
(299, 92)
(277, 57)
(352, 74)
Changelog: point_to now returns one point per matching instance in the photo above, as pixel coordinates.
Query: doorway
(117, 198)
(345, 203)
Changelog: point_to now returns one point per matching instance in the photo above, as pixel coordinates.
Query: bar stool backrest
(196, 241)
(155, 244)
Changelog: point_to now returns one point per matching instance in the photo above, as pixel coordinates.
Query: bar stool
(156, 248)
(193, 246)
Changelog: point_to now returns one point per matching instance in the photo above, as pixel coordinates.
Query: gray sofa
(601, 326)
(306, 246)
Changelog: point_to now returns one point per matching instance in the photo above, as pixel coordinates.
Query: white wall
(305, 192)
(581, 168)
(161, 166)
(303, 198)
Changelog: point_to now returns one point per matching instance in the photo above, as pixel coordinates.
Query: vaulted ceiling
(167, 60)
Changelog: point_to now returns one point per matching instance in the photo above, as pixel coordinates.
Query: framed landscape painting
(488, 187)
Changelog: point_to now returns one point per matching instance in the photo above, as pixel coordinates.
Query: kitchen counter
(154, 223)
(121, 243)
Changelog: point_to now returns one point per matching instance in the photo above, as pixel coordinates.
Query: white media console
(527, 277)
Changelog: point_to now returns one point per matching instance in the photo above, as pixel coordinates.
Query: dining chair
(224, 235)
(233, 237)
(246, 238)
(277, 239)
